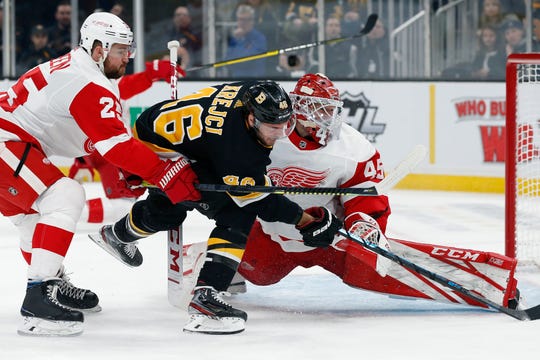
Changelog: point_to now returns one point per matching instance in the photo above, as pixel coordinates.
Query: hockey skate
(128, 253)
(210, 314)
(76, 298)
(44, 315)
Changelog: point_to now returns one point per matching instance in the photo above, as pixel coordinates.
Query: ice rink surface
(309, 315)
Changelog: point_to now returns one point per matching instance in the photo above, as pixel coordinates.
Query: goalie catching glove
(366, 228)
(178, 181)
(320, 231)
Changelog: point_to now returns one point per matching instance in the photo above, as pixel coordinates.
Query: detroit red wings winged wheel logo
(296, 176)
(89, 146)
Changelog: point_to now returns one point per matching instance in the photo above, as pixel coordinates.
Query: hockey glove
(177, 181)
(161, 70)
(81, 170)
(368, 230)
(320, 231)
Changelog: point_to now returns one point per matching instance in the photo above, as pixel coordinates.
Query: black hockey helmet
(268, 102)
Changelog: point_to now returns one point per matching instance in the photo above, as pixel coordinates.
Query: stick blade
(405, 167)
(370, 24)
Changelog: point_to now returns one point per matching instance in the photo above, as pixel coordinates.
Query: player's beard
(113, 72)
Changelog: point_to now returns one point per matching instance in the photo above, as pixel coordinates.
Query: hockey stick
(402, 170)
(174, 236)
(293, 190)
(532, 313)
(370, 23)
(173, 57)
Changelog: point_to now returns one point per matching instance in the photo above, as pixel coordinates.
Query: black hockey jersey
(210, 128)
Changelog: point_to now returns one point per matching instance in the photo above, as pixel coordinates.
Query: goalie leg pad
(193, 256)
(488, 274)
(360, 273)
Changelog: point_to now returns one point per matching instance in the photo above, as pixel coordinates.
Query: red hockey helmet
(317, 106)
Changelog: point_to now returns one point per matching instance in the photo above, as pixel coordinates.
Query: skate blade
(95, 309)
(214, 326)
(96, 238)
(32, 326)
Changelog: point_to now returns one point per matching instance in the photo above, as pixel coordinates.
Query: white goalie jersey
(350, 162)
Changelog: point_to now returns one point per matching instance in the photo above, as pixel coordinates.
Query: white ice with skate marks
(309, 315)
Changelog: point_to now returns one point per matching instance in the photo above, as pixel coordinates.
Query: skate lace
(130, 249)
(51, 294)
(218, 297)
(67, 288)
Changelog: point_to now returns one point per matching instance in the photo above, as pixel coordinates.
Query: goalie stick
(174, 236)
(392, 178)
(532, 313)
(370, 23)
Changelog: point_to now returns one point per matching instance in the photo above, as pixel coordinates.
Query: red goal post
(522, 185)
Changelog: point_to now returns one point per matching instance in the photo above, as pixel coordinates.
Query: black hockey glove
(320, 231)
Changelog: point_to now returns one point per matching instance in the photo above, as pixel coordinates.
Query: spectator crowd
(253, 27)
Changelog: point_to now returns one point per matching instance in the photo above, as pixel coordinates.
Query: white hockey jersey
(352, 161)
(68, 107)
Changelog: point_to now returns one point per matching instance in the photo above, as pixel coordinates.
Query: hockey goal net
(523, 158)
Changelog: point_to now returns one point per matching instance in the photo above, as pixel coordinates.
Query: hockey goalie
(323, 152)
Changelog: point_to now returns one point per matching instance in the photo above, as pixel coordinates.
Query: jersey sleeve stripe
(104, 146)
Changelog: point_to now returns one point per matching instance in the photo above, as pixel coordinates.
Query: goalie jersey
(348, 163)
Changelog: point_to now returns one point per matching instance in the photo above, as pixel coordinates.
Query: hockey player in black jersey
(227, 132)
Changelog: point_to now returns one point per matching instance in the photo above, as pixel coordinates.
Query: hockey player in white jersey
(69, 107)
(323, 152)
(120, 192)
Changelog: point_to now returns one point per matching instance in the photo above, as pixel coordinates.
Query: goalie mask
(318, 106)
(108, 29)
